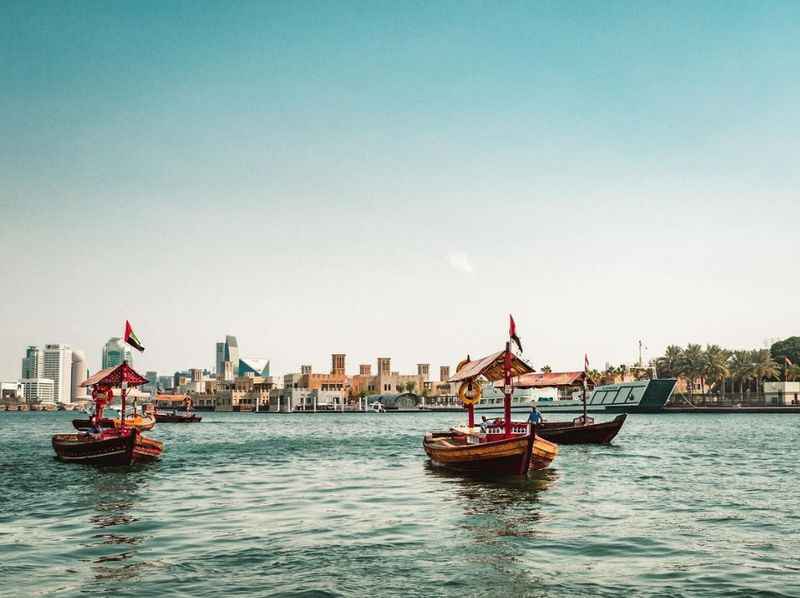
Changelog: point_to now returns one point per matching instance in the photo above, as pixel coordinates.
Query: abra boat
(142, 423)
(177, 417)
(122, 445)
(501, 449)
(581, 430)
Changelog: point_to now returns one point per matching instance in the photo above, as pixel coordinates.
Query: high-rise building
(165, 382)
(220, 360)
(33, 363)
(79, 373)
(337, 364)
(58, 368)
(227, 352)
(115, 352)
(152, 382)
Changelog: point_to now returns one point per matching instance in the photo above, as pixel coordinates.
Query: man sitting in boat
(484, 424)
(535, 417)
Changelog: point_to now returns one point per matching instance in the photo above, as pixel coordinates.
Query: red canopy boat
(503, 449)
(122, 445)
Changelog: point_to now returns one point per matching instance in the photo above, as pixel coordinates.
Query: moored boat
(501, 449)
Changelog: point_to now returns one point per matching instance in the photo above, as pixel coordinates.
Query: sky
(395, 178)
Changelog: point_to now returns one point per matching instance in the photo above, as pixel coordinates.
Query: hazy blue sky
(395, 178)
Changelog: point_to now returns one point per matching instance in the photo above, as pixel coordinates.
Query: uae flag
(131, 338)
(512, 333)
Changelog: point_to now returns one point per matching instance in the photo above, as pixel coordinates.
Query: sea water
(348, 505)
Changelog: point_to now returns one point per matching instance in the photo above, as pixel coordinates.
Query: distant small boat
(177, 417)
(578, 432)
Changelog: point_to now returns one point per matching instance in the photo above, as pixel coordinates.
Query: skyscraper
(227, 351)
(58, 368)
(33, 363)
(114, 352)
(79, 372)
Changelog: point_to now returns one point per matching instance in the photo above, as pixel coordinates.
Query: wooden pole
(471, 415)
(507, 388)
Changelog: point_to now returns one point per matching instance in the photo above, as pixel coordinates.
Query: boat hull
(116, 448)
(512, 456)
(570, 433)
(177, 419)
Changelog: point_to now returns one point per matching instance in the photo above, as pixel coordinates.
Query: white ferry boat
(565, 395)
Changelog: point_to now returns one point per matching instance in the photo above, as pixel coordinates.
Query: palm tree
(669, 366)
(741, 367)
(410, 386)
(547, 369)
(715, 366)
(793, 372)
(692, 366)
(764, 366)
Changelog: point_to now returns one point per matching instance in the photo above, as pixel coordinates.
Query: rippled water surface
(248, 504)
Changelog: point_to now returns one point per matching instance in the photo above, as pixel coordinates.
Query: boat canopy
(115, 376)
(491, 368)
(551, 379)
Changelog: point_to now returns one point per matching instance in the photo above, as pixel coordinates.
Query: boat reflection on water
(117, 495)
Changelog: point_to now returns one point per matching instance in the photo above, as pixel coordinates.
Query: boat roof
(547, 379)
(491, 368)
(115, 376)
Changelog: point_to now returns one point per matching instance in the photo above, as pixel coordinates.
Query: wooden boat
(112, 447)
(579, 431)
(121, 444)
(177, 417)
(141, 423)
(474, 453)
(504, 448)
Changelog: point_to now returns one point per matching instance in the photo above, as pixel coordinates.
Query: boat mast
(124, 392)
(507, 388)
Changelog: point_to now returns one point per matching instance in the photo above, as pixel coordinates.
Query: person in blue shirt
(535, 416)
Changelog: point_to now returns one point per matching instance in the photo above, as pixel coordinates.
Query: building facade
(115, 352)
(80, 371)
(38, 391)
(58, 368)
(227, 353)
(33, 363)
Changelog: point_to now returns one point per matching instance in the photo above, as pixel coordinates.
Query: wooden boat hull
(142, 424)
(511, 456)
(177, 419)
(569, 433)
(111, 449)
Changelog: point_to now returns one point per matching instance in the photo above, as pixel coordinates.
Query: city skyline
(340, 178)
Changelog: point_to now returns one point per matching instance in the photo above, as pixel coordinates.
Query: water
(346, 505)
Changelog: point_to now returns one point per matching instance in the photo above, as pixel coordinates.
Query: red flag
(512, 332)
(131, 338)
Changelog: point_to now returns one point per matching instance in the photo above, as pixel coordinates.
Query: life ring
(470, 392)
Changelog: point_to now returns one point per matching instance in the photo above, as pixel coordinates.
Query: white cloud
(460, 261)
